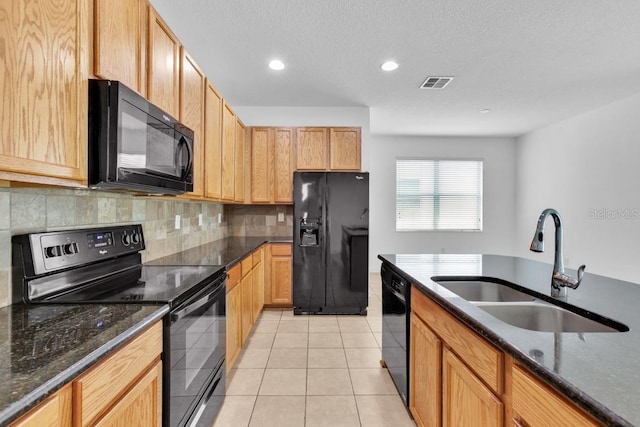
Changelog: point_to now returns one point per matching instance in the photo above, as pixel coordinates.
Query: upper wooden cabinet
(213, 143)
(344, 148)
(45, 67)
(271, 165)
(120, 41)
(227, 152)
(311, 148)
(163, 65)
(192, 94)
(239, 169)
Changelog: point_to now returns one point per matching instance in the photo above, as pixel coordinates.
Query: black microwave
(134, 145)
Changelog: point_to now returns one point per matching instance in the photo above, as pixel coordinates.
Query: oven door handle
(190, 307)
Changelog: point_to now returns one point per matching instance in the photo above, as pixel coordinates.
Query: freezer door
(347, 241)
(308, 241)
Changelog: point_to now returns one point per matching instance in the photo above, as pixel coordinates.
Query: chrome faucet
(559, 280)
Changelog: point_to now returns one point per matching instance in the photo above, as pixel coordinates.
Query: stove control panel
(48, 252)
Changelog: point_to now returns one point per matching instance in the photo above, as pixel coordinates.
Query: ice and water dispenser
(309, 231)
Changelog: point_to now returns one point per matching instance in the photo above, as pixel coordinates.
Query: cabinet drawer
(484, 359)
(257, 257)
(247, 265)
(234, 277)
(280, 249)
(97, 390)
(55, 411)
(529, 395)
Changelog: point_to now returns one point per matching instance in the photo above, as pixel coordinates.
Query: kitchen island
(596, 371)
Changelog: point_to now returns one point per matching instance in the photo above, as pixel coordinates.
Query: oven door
(196, 345)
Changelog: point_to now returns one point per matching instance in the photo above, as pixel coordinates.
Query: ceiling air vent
(436, 82)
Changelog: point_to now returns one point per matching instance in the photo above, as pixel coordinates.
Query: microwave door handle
(187, 170)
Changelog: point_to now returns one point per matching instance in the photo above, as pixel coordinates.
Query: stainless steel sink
(544, 317)
(483, 290)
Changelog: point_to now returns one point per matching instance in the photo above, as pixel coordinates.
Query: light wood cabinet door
(344, 149)
(192, 91)
(44, 58)
(140, 406)
(311, 149)
(120, 41)
(163, 78)
(53, 412)
(246, 285)
(238, 195)
(262, 165)
(466, 401)
(530, 396)
(425, 382)
(281, 263)
(213, 143)
(233, 317)
(258, 283)
(283, 170)
(228, 147)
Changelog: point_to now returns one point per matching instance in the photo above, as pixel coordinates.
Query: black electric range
(103, 265)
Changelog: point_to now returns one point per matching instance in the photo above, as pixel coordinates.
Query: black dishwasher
(396, 307)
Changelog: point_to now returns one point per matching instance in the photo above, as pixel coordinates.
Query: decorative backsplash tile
(27, 210)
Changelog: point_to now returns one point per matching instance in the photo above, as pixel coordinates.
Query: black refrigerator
(330, 242)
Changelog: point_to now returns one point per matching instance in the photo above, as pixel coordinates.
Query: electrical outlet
(219, 217)
(177, 225)
(200, 219)
(280, 217)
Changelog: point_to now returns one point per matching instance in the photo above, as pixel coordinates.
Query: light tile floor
(314, 371)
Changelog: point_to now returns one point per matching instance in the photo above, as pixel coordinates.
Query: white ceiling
(532, 62)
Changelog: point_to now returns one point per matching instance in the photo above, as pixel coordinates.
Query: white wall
(586, 167)
(499, 196)
(310, 116)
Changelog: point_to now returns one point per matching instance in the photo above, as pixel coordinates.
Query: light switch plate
(177, 225)
(281, 217)
(200, 219)
(219, 217)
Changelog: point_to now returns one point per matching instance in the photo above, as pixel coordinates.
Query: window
(438, 195)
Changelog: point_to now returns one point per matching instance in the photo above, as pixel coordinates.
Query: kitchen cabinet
(258, 283)
(272, 165)
(281, 263)
(213, 143)
(227, 152)
(344, 149)
(45, 69)
(53, 412)
(163, 78)
(126, 385)
(467, 368)
(246, 285)
(530, 395)
(238, 171)
(120, 42)
(233, 315)
(311, 148)
(192, 95)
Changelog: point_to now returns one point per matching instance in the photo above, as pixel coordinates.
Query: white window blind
(438, 194)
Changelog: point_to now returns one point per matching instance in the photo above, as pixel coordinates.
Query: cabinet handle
(517, 422)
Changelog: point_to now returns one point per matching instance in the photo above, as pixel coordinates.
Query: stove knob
(126, 239)
(135, 237)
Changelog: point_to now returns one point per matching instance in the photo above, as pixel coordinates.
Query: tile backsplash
(28, 210)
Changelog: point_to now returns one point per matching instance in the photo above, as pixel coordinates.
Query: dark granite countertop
(43, 347)
(598, 371)
(226, 252)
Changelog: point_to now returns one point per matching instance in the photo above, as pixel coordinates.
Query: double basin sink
(514, 305)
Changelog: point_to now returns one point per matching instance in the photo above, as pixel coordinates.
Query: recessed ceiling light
(485, 110)
(276, 64)
(389, 66)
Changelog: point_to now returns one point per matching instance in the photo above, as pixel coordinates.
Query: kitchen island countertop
(600, 372)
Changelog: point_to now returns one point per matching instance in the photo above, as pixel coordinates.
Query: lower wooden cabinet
(233, 315)
(457, 378)
(530, 395)
(53, 412)
(258, 282)
(281, 264)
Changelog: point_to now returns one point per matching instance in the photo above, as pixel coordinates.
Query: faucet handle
(562, 280)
